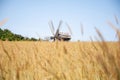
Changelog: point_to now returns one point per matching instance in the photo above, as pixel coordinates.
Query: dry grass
(59, 61)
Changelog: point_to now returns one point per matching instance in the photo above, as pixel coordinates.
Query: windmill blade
(60, 23)
(69, 29)
(57, 32)
(51, 27)
(3, 21)
(116, 19)
(81, 26)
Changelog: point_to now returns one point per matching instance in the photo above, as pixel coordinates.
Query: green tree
(8, 35)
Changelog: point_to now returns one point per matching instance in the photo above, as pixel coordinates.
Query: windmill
(57, 35)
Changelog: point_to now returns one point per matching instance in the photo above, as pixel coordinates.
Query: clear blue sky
(28, 17)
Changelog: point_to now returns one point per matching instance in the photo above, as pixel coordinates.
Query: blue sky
(30, 17)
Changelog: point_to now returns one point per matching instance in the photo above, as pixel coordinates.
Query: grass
(29, 60)
(59, 61)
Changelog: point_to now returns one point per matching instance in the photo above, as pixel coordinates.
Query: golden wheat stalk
(3, 21)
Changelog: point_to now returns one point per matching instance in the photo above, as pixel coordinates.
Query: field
(25, 60)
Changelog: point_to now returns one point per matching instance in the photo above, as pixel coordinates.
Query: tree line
(8, 35)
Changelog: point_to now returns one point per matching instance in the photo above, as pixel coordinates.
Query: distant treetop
(8, 35)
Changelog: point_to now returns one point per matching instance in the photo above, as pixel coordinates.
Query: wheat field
(25, 60)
